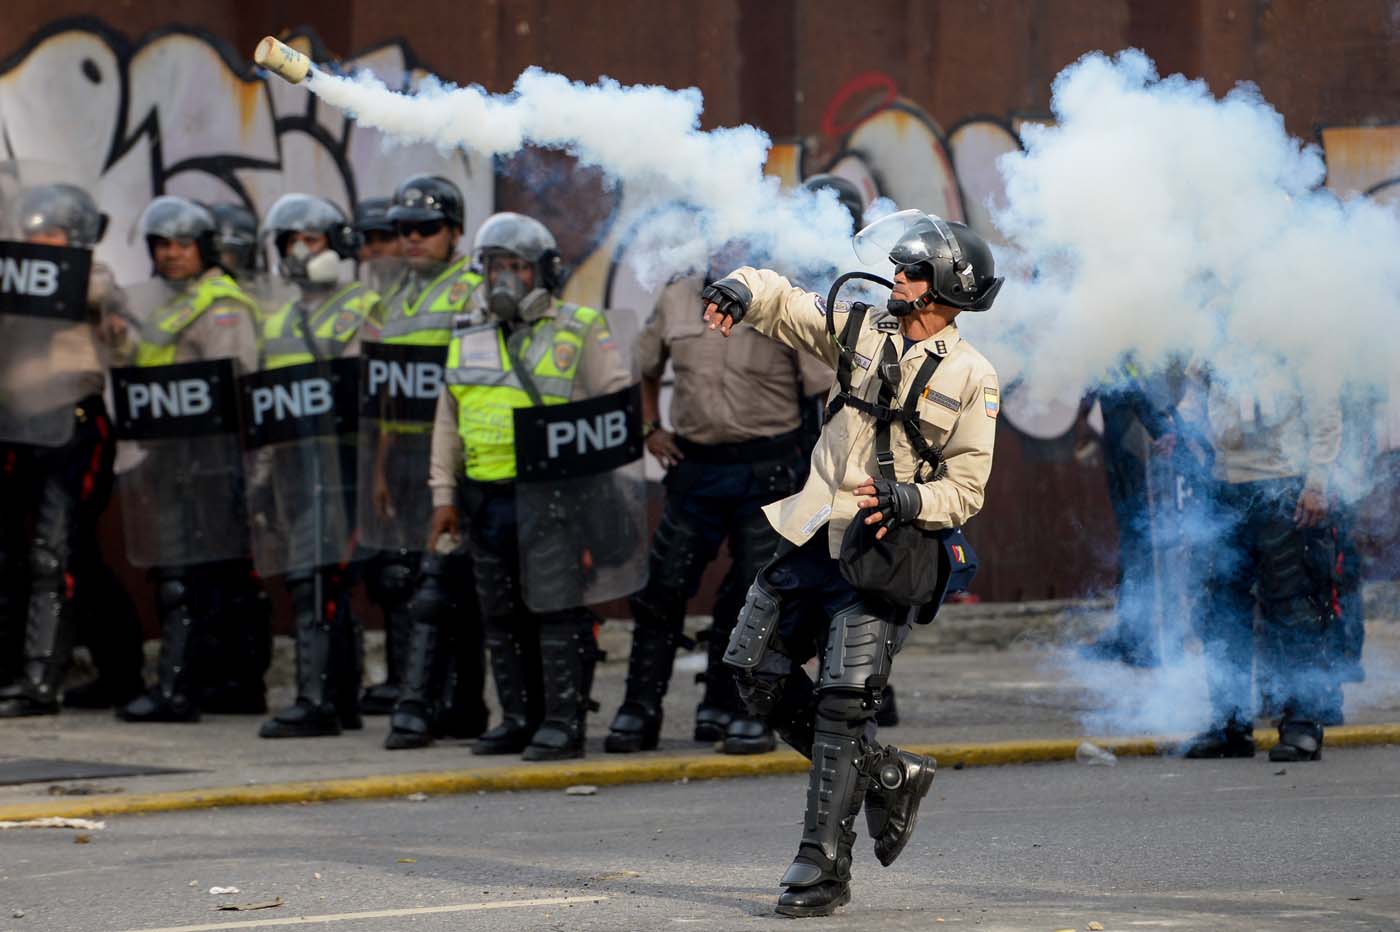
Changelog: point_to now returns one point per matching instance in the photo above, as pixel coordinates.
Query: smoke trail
(647, 138)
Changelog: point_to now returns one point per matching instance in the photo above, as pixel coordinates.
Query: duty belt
(783, 446)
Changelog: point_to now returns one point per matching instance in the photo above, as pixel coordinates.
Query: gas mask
(508, 300)
(300, 265)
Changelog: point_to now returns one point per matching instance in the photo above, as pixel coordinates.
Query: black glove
(899, 502)
(730, 295)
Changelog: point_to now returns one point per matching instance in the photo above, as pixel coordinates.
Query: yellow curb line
(617, 772)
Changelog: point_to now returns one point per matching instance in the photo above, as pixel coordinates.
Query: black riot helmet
(372, 215)
(428, 197)
(306, 213)
(526, 238)
(846, 192)
(65, 207)
(237, 236)
(171, 217)
(956, 262)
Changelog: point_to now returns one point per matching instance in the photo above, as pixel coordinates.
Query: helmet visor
(907, 237)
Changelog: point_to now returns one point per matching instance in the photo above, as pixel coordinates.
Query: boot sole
(547, 754)
(283, 732)
(811, 912)
(740, 747)
(627, 743)
(1289, 754)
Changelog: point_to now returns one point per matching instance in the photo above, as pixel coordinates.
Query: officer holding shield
(542, 550)
(905, 454)
(303, 482)
(193, 311)
(56, 443)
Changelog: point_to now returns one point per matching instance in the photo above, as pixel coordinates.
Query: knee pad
(171, 591)
(392, 584)
(859, 649)
(843, 711)
(753, 633)
(45, 565)
(760, 694)
(677, 554)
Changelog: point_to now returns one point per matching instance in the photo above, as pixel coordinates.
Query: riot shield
(581, 500)
(298, 426)
(182, 500)
(1177, 490)
(47, 344)
(399, 388)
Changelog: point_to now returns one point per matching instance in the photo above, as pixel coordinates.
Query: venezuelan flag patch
(991, 401)
(958, 553)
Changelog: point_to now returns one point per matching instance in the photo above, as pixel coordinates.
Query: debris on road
(82, 839)
(1095, 927)
(1093, 755)
(17, 914)
(220, 891)
(82, 789)
(407, 861)
(416, 797)
(87, 825)
(582, 789)
(249, 907)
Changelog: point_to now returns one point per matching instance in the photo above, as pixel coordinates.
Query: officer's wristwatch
(649, 428)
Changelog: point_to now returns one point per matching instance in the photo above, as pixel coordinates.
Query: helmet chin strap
(900, 308)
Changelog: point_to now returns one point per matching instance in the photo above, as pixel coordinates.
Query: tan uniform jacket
(601, 370)
(726, 391)
(957, 413)
(225, 329)
(1276, 432)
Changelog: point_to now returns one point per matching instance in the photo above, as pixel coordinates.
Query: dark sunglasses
(424, 228)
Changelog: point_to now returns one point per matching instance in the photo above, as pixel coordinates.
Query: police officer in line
(429, 288)
(379, 244)
(436, 669)
(542, 661)
(737, 445)
(237, 240)
(1277, 550)
(325, 320)
(194, 310)
(61, 489)
(919, 396)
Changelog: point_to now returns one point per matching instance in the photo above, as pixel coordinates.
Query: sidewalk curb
(612, 772)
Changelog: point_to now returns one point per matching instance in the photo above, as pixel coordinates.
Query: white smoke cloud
(646, 138)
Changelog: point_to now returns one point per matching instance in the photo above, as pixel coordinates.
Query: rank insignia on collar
(940, 347)
(887, 325)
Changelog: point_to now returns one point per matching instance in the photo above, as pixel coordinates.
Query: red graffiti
(873, 83)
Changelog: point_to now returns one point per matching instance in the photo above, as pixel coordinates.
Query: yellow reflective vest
(488, 390)
(157, 342)
(332, 325)
(427, 320)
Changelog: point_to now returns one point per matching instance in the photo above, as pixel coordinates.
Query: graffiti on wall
(179, 111)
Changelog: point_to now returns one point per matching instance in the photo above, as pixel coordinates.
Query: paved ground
(1160, 843)
(950, 691)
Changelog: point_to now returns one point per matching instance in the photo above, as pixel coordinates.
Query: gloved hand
(892, 503)
(726, 303)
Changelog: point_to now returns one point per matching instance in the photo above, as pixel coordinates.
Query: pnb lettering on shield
(404, 380)
(37, 278)
(305, 398)
(600, 432)
(180, 398)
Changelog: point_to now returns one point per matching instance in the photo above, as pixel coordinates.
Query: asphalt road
(1153, 844)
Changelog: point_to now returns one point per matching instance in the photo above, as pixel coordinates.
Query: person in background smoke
(1276, 446)
(907, 363)
(725, 460)
(63, 490)
(203, 314)
(237, 241)
(542, 661)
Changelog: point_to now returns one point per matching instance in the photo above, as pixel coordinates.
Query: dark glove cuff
(732, 296)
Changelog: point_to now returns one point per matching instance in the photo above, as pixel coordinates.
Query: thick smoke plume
(646, 138)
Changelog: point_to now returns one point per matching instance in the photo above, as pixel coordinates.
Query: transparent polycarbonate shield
(904, 237)
(581, 500)
(49, 223)
(299, 431)
(182, 500)
(399, 389)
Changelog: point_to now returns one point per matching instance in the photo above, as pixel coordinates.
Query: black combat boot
(171, 699)
(819, 879)
(1297, 741)
(568, 652)
(382, 698)
(411, 724)
(314, 713)
(1233, 739)
(515, 666)
(720, 701)
(48, 642)
(637, 725)
(899, 781)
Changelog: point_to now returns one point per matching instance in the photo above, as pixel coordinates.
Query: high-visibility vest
(427, 319)
(160, 331)
(487, 396)
(332, 325)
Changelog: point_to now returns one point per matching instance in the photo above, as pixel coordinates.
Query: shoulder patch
(459, 292)
(991, 401)
(227, 315)
(564, 355)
